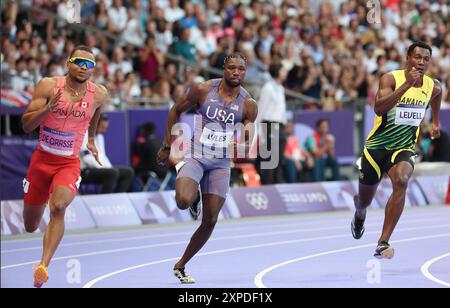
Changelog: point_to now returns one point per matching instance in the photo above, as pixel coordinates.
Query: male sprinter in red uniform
(63, 108)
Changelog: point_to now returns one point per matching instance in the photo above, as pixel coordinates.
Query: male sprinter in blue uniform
(221, 104)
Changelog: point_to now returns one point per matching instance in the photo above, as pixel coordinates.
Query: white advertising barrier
(112, 210)
(77, 217)
(160, 207)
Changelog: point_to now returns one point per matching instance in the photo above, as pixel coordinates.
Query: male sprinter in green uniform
(400, 105)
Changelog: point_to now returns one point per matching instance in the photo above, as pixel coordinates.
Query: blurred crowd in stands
(334, 51)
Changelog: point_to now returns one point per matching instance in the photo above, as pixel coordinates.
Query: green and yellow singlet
(399, 128)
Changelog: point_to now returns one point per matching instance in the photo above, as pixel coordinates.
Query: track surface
(315, 250)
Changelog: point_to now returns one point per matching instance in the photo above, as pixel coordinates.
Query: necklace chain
(73, 90)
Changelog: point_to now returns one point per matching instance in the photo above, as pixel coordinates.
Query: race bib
(57, 142)
(217, 139)
(409, 114)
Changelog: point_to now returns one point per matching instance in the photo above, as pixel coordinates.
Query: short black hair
(274, 70)
(320, 121)
(235, 55)
(80, 47)
(418, 44)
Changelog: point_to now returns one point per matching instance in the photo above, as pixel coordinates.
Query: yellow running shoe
(40, 275)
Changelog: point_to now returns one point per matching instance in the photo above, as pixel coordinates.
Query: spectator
(130, 88)
(106, 175)
(272, 115)
(63, 8)
(20, 76)
(171, 74)
(188, 20)
(163, 36)
(184, 48)
(161, 94)
(119, 62)
(205, 44)
(145, 149)
(178, 91)
(321, 146)
(436, 150)
(118, 17)
(332, 36)
(132, 33)
(446, 95)
(151, 61)
(102, 18)
(315, 49)
(298, 162)
(173, 12)
(90, 41)
(306, 79)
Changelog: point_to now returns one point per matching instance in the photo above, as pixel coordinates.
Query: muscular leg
(399, 174)
(186, 190)
(212, 204)
(364, 198)
(59, 201)
(32, 216)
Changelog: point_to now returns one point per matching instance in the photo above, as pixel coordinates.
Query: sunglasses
(82, 61)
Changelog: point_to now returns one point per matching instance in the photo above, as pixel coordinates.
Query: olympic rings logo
(258, 200)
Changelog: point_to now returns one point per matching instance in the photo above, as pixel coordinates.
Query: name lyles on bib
(218, 139)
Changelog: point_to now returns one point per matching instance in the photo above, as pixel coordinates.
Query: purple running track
(315, 250)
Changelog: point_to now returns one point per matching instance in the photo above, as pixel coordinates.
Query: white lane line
(143, 237)
(98, 279)
(329, 216)
(224, 223)
(425, 269)
(234, 237)
(258, 280)
(235, 229)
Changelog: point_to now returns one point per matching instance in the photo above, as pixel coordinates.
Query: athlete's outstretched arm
(41, 104)
(435, 109)
(100, 99)
(387, 97)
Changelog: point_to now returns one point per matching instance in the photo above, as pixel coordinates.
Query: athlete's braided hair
(235, 55)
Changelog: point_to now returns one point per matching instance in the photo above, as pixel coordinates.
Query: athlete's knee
(209, 222)
(31, 220)
(400, 182)
(184, 200)
(58, 208)
(31, 226)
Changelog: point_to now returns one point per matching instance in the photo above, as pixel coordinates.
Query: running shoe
(40, 275)
(384, 251)
(357, 227)
(184, 278)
